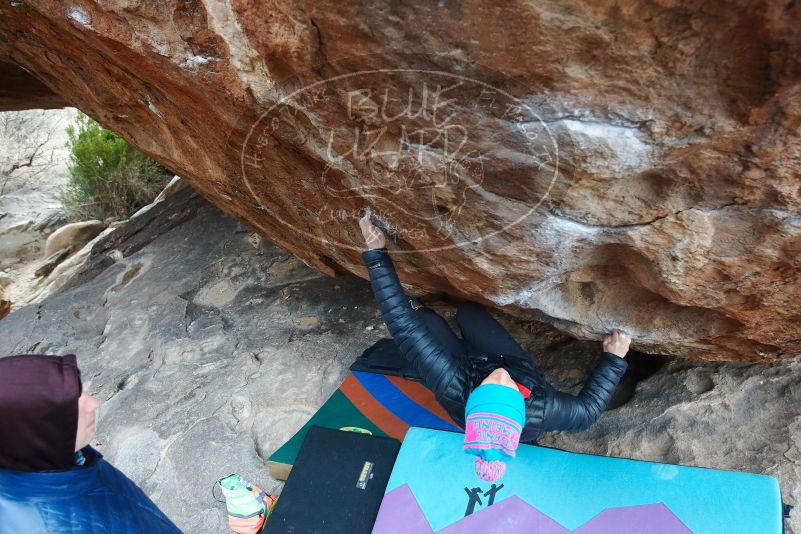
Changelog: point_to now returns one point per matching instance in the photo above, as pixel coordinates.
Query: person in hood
(51, 479)
(487, 357)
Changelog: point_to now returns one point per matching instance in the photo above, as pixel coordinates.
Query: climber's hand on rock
(617, 343)
(373, 235)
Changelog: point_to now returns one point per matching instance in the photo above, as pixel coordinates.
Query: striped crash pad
(383, 405)
(433, 488)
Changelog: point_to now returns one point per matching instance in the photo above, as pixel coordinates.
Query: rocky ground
(210, 347)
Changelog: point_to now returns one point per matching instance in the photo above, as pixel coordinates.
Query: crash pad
(385, 358)
(381, 405)
(433, 488)
(336, 484)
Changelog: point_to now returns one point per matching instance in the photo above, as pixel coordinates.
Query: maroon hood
(38, 412)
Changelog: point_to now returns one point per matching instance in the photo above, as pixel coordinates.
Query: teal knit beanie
(494, 419)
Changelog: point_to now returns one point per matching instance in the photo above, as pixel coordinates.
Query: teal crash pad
(433, 488)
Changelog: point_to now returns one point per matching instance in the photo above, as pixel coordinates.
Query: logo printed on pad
(365, 475)
(356, 429)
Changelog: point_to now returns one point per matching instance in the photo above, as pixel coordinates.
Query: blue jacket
(93, 498)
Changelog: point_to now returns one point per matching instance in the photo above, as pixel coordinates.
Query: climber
(453, 368)
(51, 479)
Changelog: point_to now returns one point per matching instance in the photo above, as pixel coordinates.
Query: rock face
(210, 347)
(591, 164)
(72, 237)
(21, 91)
(33, 169)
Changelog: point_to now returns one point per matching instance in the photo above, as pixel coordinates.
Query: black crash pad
(336, 484)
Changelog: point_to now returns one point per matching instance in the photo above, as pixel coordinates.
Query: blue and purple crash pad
(433, 488)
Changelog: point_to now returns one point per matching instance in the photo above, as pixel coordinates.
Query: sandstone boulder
(591, 164)
(175, 185)
(51, 262)
(72, 237)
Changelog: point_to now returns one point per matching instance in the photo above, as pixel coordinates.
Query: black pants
(480, 331)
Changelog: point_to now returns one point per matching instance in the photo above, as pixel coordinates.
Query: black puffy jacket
(452, 377)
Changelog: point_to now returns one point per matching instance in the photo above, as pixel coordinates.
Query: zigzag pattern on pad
(400, 513)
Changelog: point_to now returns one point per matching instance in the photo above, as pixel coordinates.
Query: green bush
(107, 176)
